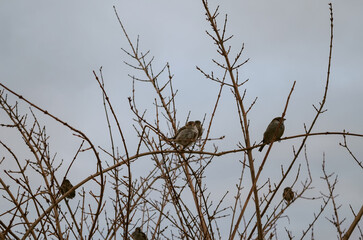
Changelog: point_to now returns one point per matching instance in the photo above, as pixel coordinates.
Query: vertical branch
(318, 112)
(331, 187)
(144, 68)
(128, 203)
(220, 40)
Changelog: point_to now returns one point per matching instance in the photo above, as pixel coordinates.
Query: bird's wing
(178, 132)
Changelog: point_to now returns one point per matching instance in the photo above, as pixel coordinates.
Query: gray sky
(49, 49)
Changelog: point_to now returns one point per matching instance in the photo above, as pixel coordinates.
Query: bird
(188, 134)
(288, 194)
(65, 187)
(138, 234)
(272, 133)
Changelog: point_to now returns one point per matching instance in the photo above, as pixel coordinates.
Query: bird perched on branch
(272, 133)
(138, 234)
(65, 187)
(188, 134)
(288, 194)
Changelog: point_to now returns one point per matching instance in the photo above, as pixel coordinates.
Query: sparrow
(188, 134)
(138, 234)
(272, 133)
(65, 187)
(288, 194)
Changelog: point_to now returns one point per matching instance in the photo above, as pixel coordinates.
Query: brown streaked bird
(288, 194)
(65, 187)
(272, 133)
(186, 135)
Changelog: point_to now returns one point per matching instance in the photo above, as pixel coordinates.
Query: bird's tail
(260, 149)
